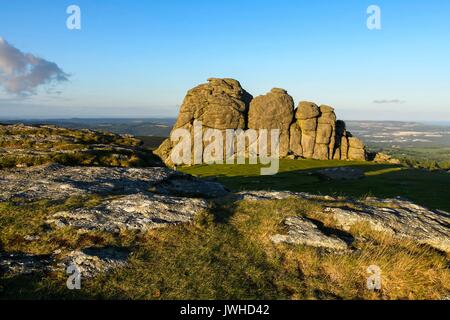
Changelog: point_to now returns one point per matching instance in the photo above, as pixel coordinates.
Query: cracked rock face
(402, 219)
(138, 212)
(397, 217)
(305, 232)
(60, 182)
(310, 131)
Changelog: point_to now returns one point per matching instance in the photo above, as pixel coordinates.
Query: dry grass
(227, 254)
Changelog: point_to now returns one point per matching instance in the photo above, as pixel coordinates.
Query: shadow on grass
(424, 187)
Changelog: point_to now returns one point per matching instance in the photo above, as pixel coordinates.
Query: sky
(138, 58)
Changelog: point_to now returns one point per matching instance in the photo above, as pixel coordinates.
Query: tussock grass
(227, 254)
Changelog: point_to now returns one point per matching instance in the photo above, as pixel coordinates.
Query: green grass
(428, 188)
(227, 254)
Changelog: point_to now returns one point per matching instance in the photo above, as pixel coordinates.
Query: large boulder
(275, 110)
(356, 150)
(219, 104)
(310, 131)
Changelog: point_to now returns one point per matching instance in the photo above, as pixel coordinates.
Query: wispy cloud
(22, 73)
(387, 101)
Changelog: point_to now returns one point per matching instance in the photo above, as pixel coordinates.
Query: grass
(227, 254)
(30, 146)
(427, 188)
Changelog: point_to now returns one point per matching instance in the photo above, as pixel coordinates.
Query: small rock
(92, 261)
(303, 231)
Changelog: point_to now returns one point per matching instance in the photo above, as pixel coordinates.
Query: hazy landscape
(236, 158)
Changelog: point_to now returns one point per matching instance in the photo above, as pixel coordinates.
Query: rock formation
(137, 200)
(274, 110)
(220, 104)
(396, 217)
(309, 131)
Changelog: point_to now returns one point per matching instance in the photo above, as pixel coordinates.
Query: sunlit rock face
(308, 131)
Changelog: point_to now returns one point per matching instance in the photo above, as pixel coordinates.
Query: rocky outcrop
(60, 182)
(309, 131)
(219, 104)
(29, 145)
(397, 217)
(380, 157)
(20, 263)
(138, 212)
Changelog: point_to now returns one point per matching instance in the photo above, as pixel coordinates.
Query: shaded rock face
(19, 263)
(309, 131)
(93, 261)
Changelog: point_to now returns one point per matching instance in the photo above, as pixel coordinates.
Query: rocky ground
(140, 199)
(27, 145)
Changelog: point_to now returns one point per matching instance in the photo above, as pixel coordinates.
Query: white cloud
(22, 73)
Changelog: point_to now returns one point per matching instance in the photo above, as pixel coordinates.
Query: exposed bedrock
(309, 131)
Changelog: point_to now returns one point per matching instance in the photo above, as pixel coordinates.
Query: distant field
(428, 188)
(151, 142)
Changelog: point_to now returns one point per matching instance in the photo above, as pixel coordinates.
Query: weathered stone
(90, 262)
(324, 133)
(308, 133)
(399, 218)
(327, 115)
(321, 152)
(139, 212)
(275, 110)
(295, 141)
(59, 182)
(219, 104)
(19, 263)
(385, 158)
(355, 143)
(356, 154)
(305, 232)
(344, 148)
(308, 143)
(307, 110)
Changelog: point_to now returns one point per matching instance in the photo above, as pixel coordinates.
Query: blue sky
(138, 58)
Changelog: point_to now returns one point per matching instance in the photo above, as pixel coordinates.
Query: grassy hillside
(23, 146)
(428, 188)
(225, 254)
